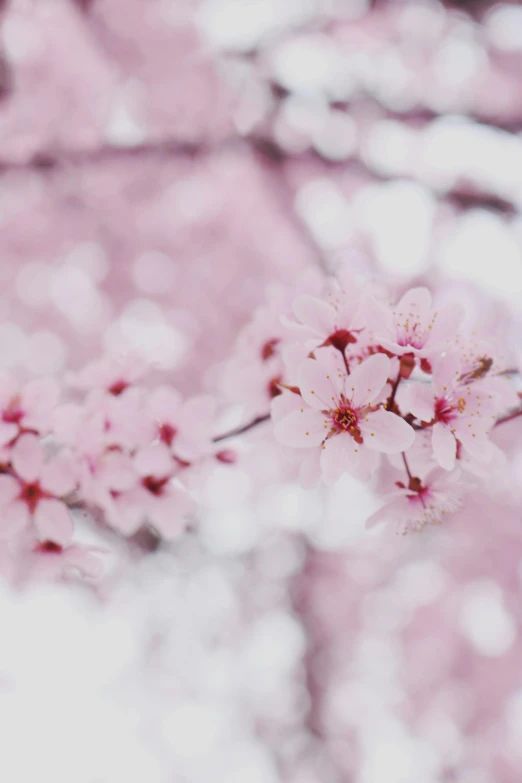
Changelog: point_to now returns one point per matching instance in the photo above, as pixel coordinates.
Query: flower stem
(240, 430)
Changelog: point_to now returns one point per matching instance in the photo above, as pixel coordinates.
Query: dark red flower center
(13, 414)
(31, 494)
(446, 411)
(154, 484)
(49, 547)
(340, 339)
(269, 349)
(167, 434)
(118, 387)
(274, 388)
(344, 419)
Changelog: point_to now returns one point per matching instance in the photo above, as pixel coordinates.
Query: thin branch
(241, 430)
(408, 471)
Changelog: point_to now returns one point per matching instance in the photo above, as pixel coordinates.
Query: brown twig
(240, 430)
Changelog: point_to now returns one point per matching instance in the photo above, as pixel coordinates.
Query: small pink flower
(460, 412)
(33, 492)
(342, 415)
(413, 326)
(422, 503)
(154, 498)
(185, 427)
(27, 407)
(113, 375)
(52, 561)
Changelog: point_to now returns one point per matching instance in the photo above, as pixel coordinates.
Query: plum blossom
(342, 416)
(154, 497)
(413, 326)
(186, 427)
(422, 503)
(25, 407)
(33, 492)
(49, 560)
(459, 412)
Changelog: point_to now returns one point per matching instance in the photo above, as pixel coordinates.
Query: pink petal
(475, 442)
(444, 446)
(446, 325)
(58, 476)
(27, 457)
(416, 301)
(386, 432)
(419, 400)
(340, 454)
(7, 432)
(53, 522)
(168, 516)
(284, 404)
(320, 383)
(301, 429)
(117, 471)
(13, 518)
(315, 313)
(388, 513)
(9, 489)
(366, 380)
(39, 397)
(446, 371)
(9, 388)
(154, 460)
(165, 403)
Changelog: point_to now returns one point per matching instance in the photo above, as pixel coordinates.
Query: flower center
(444, 410)
(13, 414)
(118, 387)
(31, 494)
(344, 419)
(269, 349)
(274, 388)
(49, 547)
(167, 433)
(154, 485)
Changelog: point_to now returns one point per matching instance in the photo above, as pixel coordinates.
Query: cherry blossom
(343, 416)
(422, 503)
(459, 412)
(26, 407)
(34, 492)
(154, 497)
(413, 326)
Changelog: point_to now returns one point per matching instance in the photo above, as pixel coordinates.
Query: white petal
(340, 454)
(386, 432)
(366, 380)
(53, 522)
(444, 446)
(301, 429)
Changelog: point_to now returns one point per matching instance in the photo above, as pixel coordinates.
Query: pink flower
(154, 497)
(422, 503)
(33, 492)
(460, 412)
(51, 561)
(185, 427)
(413, 326)
(111, 374)
(342, 415)
(27, 407)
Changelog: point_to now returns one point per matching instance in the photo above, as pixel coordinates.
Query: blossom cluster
(355, 383)
(367, 380)
(113, 448)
